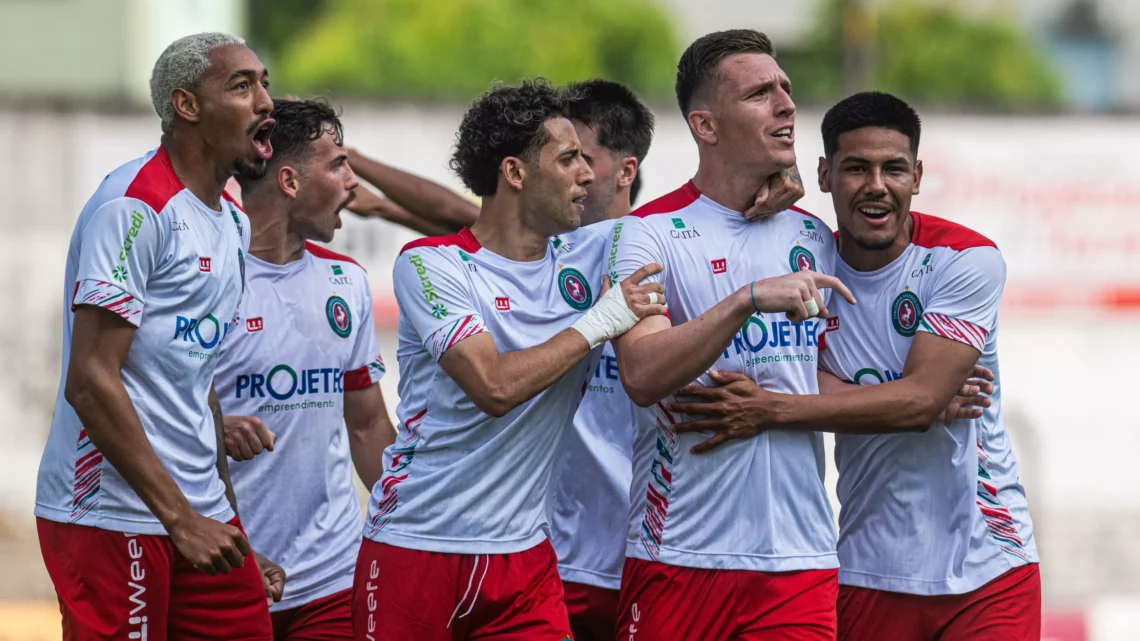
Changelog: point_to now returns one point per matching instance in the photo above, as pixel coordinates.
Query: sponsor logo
(503, 304)
(925, 268)
(561, 245)
(427, 289)
(606, 372)
(338, 277)
(340, 319)
(872, 376)
(206, 332)
(680, 231)
(283, 383)
(204, 264)
(337, 271)
(132, 233)
(926, 261)
(801, 260)
(136, 584)
(756, 336)
(370, 590)
(905, 313)
(635, 614)
(119, 273)
(439, 310)
(809, 225)
(719, 265)
(254, 324)
(179, 225)
(574, 289)
(833, 323)
(613, 254)
(813, 236)
(471, 267)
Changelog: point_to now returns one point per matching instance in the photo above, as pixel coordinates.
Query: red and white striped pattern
(445, 337)
(109, 297)
(401, 458)
(955, 329)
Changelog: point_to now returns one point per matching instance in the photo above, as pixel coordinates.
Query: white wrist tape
(609, 318)
(812, 307)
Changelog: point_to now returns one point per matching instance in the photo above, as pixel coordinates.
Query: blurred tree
(454, 49)
(273, 24)
(925, 52)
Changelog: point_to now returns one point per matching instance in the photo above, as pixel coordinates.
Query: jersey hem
(870, 581)
(456, 546)
(323, 589)
(150, 527)
(587, 577)
(752, 562)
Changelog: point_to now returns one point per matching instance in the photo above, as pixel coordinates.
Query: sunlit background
(1030, 136)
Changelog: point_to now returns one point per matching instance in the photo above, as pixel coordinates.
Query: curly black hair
(504, 122)
(699, 63)
(870, 109)
(623, 123)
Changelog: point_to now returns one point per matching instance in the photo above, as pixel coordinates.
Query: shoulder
(322, 253)
(932, 231)
(672, 202)
(464, 240)
(154, 181)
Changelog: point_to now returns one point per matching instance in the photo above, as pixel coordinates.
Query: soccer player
(135, 527)
(496, 323)
(304, 363)
(935, 536)
(737, 543)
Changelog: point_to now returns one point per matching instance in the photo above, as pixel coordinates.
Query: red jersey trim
(156, 183)
(326, 253)
(932, 231)
(805, 213)
(670, 202)
(226, 196)
(464, 240)
(357, 379)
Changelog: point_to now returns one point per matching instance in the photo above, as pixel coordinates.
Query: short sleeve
(634, 245)
(366, 367)
(436, 298)
(119, 252)
(963, 303)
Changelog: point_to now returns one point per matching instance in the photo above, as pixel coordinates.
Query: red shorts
(662, 602)
(326, 619)
(113, 585)
(409, 595)
(1006, 609)
(592, 610)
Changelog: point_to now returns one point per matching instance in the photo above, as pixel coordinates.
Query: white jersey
(591, 501)
(307, 338)
(458, 480)
(755, 504)
(939, 511)
(147, 249)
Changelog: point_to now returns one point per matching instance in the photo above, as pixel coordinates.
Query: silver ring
(812, 307)
(652, 298)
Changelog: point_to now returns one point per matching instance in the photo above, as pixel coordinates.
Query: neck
(620, 206)
(728, 184)
(862, 259)
(502, 228)
(271, 240)
(202, 175)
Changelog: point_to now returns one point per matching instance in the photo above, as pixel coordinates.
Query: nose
(876, 183)
(785, 106)
(350, 181)
(262, 101)
(585, 175)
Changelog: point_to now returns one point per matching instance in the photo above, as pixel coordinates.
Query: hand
(272, 577)
(246, 437)
(212, 546)
(734, 410)
(637, 295)
(779, 192)
(972, 398)
(367, 203)
(789, 292)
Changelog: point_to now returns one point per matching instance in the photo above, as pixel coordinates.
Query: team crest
(801, 260)
(574, 288)
(905, 313)
(340, 319)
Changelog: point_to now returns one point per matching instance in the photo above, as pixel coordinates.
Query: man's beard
(251, 171)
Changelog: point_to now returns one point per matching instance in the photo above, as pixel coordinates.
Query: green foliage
(929, 53)
(454, 49)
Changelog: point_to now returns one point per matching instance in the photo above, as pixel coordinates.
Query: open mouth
(786, 134)
(874, 211)
(261, 142)
(580, 201)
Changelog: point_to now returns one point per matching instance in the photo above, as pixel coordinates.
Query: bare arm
(425, 199)
(371, 205)
(370, 431)
(223, 462)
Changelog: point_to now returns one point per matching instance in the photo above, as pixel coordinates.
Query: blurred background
(1030, 129)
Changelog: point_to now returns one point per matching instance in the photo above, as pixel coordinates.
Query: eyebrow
(768, 84)
(859, 159)
(247, 73)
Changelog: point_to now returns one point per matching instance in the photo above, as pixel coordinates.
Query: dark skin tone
(871, 178)
(214, 134)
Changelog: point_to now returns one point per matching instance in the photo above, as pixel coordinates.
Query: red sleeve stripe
(357, 379)
(932, 231)
(464, 240)
(673, 201)
(955, 329)
(156, 183)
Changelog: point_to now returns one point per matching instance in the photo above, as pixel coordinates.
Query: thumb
(724, 378)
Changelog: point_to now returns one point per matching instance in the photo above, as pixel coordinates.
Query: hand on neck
(728, 184)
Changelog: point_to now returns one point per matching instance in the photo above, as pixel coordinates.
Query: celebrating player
(737, 543)
(135, 527)
(304, 363)
(496, 323)
(949, 495)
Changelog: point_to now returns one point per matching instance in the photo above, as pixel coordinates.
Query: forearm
(421, 197)
(367, 444)
(223, 461)
(904, 405)
(113, 424)
(390, 211)
(658, 364)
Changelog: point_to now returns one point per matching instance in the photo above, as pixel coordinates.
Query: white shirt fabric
(755, 504)
(147, 249)
(458, 480)
(307, 338)
(940, 511)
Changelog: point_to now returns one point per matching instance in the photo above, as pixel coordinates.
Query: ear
(824, 172)
(627, 172)
(186, 105)
(917, 178)
(703, 127)
(513, 171)
(289, 180)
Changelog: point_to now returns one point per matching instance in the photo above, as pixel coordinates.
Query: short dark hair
(699, 63)
(870, 109)
(504, 122)
(624, 125)
(299, 124)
